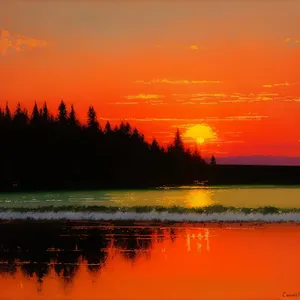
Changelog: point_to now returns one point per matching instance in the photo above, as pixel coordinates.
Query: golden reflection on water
(194, 196)
(199, 198)
(146, 262)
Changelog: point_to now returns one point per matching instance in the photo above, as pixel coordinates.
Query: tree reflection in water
(36, 248)
(148, 261)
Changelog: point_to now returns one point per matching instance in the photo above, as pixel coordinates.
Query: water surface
(119, 261)
(245, 196)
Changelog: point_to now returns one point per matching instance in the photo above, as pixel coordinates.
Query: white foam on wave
(150, 216)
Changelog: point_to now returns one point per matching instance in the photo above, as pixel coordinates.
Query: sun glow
(200, 140)
(200, 133)
(199, 198)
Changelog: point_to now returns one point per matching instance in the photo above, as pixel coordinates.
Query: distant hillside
(253, 174)
(260, 160)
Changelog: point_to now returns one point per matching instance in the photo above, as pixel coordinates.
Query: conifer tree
(92, 122)
(213, 160)
(45, 113)
(7, 112)
(72, 117)
(35, 116)
(62, 113)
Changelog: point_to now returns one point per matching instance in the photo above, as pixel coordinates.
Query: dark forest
(41, 151)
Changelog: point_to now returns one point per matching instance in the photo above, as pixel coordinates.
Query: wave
(216, 208)
(215, 213)
(152, 216)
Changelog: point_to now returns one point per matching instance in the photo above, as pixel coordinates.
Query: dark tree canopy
(43, 151)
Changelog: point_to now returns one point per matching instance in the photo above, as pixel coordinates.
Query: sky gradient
(226, 73)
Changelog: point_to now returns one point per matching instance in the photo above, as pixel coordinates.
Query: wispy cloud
(17, 42)
(292, 100)
(282, 84)
(199, 96)
(208, 103)
(124, 103)
(245, 118)
(186, 121)
(263, 98)
(215, 98)
(204, 98)
(178, 81)
(144, 97)
(292, 41)
(194, 47)
(287, 40)
(188, 103)
(276, 84)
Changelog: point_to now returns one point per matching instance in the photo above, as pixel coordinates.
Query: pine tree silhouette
(213, 160)
(20, 116)
(178, 143)
(107, 127)
(92, 121)
(45, 113)
(2, 114)
(155, 146)
(72, 117)
(7, 113)
(62, 113)
(35, 116)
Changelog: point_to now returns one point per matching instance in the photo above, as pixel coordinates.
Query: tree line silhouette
(41, 151)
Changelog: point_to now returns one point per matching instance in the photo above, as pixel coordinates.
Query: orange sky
(230, 66)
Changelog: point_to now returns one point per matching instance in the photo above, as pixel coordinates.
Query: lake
(143, 261)
(243, 196)
(210, 243)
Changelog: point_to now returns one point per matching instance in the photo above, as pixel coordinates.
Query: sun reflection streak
(199, 198)
(202, 240)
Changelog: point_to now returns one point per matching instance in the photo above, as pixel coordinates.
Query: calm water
(148, 261)
(281, 197)
(132, 260)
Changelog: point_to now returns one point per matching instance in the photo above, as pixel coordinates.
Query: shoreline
(143, 224)
(151, 223)
(154, 187)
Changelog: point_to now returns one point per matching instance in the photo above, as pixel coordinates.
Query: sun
(200, 133)
(200, 140)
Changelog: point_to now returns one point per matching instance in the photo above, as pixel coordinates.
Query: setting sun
(200, 133)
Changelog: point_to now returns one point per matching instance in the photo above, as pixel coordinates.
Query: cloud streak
(194, 121)
(278, 84)
(292, 41)
(194, 47)
(144, 97)
(215, 98)
(16, 42)
(178, 81)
